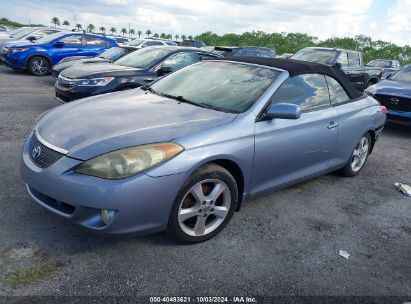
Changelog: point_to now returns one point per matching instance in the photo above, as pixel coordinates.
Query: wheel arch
(38, 55)
(373, 139)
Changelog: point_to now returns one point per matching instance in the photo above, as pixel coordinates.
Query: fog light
(106, 216)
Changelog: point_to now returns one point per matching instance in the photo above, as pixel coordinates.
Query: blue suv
(38, 58)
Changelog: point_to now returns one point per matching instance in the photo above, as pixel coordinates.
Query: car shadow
(397, 130)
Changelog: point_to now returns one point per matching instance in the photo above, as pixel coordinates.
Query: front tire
(38, 66)
(204, 205)
(358, 157)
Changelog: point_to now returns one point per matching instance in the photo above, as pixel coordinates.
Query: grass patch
(30, 275)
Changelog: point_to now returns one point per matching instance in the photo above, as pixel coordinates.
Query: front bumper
(15, 61)
(400, 118)
(70, 93)
(140, 204)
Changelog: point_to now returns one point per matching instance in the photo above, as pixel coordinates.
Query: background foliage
(293, 42)
(8, 22)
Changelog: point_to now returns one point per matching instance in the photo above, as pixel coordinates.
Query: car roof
(297, 67)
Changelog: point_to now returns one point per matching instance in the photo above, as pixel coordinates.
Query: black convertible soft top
(297, 67)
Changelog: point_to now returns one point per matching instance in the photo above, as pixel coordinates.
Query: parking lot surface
(281, 243)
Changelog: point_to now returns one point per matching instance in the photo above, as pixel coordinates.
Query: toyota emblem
(36, 152)
(394, 100)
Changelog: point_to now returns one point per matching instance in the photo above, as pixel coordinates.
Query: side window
(43, 33)
(337, 92)
(354, 59)
(179, 61)
(73, 40)
(96, 42)
(151, 43)
(309, 91)
(343, 59)
(253, 53)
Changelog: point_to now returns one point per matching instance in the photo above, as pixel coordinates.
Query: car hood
(67, 64)
(96, 125)
(390, 87)
(19, 43)
(93, 70)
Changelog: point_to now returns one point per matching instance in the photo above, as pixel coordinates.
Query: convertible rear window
(316, 55)
(222, 86)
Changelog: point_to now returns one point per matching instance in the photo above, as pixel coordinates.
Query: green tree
(139, 33)
(78, 26)
(183, 37)
(163, 35)
(176, 37)
(102, 29)
(190, 37)
(113, 30)
(156, 35)
(90, 28)
(66, 23)
(169, 36)
(124, 31)
(55, 21)
(148, 33)
(131, 33)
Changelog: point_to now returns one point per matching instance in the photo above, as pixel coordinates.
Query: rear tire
(358, 157)
(204, 205)
(38, 66)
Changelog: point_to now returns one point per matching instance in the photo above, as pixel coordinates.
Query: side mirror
(58, 44)
(338, 65)
(283, 111)
(31, 38)
(164, 70)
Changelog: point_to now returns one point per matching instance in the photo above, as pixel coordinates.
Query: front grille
(65, 82)
(42, 155)
(395, 103)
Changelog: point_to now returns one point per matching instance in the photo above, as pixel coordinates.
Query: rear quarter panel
(355, 119)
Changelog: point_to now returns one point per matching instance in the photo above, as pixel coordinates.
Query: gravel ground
(283, 243)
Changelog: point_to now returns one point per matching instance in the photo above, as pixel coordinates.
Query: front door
(288, 150)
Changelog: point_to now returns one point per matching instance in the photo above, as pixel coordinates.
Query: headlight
(95, 82)
(130, 161)
(18, 50)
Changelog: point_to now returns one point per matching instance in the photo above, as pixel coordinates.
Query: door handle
(333, 125)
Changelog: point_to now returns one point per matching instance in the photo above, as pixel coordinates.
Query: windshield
(23, 33)
(316, 55)
(113, 53)
(403, 75)
(380, 63)
(143, 59)
(222, 86)
(49, 38)
(136, 42)
(16, 31)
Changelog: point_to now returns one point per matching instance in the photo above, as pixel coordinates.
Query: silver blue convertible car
(184, 153)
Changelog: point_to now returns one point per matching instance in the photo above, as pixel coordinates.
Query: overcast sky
(389, 20)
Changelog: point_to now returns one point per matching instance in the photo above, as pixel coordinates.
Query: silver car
(184, 153)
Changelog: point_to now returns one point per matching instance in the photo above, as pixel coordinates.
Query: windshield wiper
(181, 99)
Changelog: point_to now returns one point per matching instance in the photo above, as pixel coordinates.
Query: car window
(113, 53)
(144, 58)
(42, 33)
(206, 57)
(343, 59)
(354, 59)
(309, 91)
(179, 60)
(151, 43)
(219, 85)
(316, 55)
(96, 42)
(337, 92)
(74, 40)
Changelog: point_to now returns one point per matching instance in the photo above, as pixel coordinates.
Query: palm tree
(155, 35)
(148, 33)
(124, 31)
(102, 29)
(139, 33)
(183, 37)
(176, 37)
(90, 28)
(78, 26)
(131, 33)
(113, 30)
(66, 23)
(55, 21)
(190, 37)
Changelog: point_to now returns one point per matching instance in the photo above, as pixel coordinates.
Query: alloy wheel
(39, 66)
(360, 154)
(204, 207)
